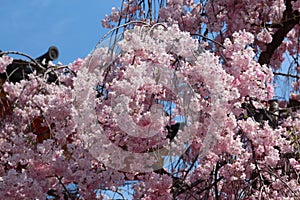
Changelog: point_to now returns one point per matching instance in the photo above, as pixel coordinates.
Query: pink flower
(4, 62)
(76, 65)
(296, 5)
(264, 36)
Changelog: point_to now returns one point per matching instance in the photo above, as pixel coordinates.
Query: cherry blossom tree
(178, 103)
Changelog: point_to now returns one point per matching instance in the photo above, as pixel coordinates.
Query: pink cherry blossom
(109, 121)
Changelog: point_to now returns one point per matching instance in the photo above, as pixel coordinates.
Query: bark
(289, 20)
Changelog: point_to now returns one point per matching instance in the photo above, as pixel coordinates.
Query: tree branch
(287, 25)
(288, 75)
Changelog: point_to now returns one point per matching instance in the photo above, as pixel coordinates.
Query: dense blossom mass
(182, 105)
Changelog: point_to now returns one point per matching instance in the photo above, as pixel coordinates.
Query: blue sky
(32, 26)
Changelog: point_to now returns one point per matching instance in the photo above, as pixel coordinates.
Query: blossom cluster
(4, 62)
(104, 123)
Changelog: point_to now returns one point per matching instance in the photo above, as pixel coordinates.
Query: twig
(269, 170)
(288, 75)
(215, 182)
(63, 185)
(25, 55)
(116, 28)
(200, 35)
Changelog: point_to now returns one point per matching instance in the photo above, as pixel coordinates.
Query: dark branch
(288, 75)
(290, 19)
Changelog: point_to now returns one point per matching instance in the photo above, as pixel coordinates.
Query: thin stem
(200, 35)
(116, 28)
(25, 55)
(63, 185)
(288, 75)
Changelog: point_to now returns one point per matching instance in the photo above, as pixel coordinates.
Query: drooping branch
(287, 75)
(289, 20)
(20, 69)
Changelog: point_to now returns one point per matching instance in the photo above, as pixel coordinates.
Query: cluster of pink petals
(229, 156)
(4, 62)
